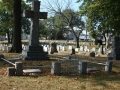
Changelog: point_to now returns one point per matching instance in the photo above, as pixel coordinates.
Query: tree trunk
(11, 37)
(16, 42)
(77, 42)
(8, 35)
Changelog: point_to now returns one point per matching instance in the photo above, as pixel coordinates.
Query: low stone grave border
(56, 67)
(18, 69)
(82, 66)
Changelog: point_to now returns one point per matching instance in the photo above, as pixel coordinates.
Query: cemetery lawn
(98, 80)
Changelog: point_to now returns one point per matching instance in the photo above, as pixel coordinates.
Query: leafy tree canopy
(103, 15)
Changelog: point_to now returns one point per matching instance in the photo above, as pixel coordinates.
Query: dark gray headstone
(56, 68)
(11, 71)
(19, 68)
(73, 51)
(116, 47)
(92, 54)
(108, 67)
(82, 67)
(53, 47)
(110, 58)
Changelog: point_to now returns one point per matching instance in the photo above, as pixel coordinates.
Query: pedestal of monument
(34, 53)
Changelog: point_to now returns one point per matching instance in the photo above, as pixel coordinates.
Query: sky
(44, 4)
(74, 5)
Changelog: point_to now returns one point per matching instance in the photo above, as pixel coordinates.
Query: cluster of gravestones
(93, 51)
(35, 51)
(5, 47)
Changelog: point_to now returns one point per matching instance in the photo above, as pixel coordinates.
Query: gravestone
(76, 49)
(58, 47)
(63, 48)
(45, 48)
(92, 54)
(85, 48)
(81, 48)
(53, 48)
(70, 47)
(35, 51)
(56, 68)
(116, 48)
(73, 51)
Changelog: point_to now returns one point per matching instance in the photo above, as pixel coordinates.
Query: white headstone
(85, 48)
(63, 48)
(45, 49)
(70, 47)
(58, 47)
(81, 48)
(76, 49)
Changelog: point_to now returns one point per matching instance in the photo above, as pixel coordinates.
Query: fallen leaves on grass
(3, 71)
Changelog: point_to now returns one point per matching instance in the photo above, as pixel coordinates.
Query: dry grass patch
(98, 80)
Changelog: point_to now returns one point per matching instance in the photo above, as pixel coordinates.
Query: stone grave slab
(27, 71)
(91, 69)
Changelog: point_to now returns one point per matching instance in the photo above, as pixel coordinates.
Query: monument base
(34, 53)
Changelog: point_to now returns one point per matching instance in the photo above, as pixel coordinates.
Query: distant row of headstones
(49, 48)
(5, 47)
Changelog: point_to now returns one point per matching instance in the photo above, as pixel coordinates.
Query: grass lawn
(98, 80)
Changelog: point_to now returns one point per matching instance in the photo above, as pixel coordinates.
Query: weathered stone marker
(108, 67)
(82, 67)
(19, 68)
(34, 52)
(56, 68)
(11, 71)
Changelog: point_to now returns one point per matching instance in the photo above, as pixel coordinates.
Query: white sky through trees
(73, 4)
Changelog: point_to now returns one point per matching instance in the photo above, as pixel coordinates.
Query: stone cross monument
(34, 52)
